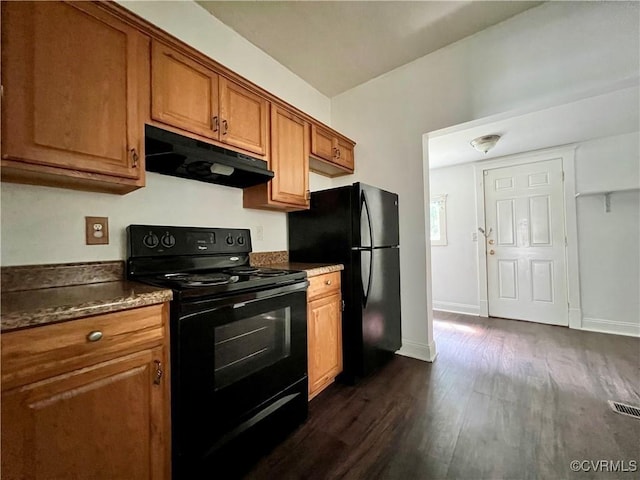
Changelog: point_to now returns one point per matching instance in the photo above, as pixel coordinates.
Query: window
(439, 219)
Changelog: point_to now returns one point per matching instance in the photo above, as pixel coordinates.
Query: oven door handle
(242, 299)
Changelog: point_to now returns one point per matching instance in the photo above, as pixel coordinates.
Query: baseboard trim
(615, 327)
(420, 351)
(457, 308)
(484, 308)
(575, 318)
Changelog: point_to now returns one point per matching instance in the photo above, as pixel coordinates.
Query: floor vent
(625, 409)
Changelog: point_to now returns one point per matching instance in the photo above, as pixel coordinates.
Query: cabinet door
(289, 158)
(344, 153)
(106, 421)
(71, 79)
(184, 93)
(322, 143)
(324, 342)
(243, 116)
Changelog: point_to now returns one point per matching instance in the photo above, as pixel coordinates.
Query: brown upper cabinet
(344, 152)
(184, 93)
(81, 79)
(189, 96)
(331, 154)
(73, 81)
(289, 160)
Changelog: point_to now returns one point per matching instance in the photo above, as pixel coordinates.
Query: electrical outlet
(259, 233)
(97, 230)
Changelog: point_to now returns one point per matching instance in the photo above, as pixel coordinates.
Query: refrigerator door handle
(365, 294)
(365, 204)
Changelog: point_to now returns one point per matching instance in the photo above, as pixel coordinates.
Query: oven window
(248, 345)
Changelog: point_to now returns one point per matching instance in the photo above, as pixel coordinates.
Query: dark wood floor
(503, 399)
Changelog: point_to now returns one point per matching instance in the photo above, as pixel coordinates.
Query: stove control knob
(240, 240)
(150, 240)
(168, 240)
(230, 240)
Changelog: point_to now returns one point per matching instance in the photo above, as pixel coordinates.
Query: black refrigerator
(357, 225)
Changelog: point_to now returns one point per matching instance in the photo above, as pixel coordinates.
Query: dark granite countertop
(312, 269)
(29, 308)
(40, 294)
(280, 259)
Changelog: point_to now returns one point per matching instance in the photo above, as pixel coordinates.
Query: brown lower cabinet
(324, 331)
(88, 398)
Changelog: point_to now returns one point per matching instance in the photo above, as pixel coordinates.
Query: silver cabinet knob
(328, 282)
(94, 336)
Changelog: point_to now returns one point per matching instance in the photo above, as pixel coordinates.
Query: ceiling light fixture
(485, 143)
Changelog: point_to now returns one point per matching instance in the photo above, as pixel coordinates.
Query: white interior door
(524, 225)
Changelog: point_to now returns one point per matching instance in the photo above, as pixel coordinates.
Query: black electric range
(238, 345)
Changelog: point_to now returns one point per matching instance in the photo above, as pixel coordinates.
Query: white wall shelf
(607, 195)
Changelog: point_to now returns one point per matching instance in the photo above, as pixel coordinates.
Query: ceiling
(605, 114)
(336, 45)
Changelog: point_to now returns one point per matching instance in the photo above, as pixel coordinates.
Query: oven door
(233, 358)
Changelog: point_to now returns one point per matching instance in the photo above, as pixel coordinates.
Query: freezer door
(379, 292)
(375, 217)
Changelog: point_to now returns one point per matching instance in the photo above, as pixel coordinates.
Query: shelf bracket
(607, 195)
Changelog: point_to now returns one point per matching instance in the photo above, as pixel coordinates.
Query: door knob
(492, 241)
(492, 252)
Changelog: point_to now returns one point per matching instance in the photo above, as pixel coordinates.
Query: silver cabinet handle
(159, 372)
(134, 158)
(94, 336)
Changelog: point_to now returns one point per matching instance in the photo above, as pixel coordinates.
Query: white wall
(454, 266)
(609, 257)
(544, 54)
(46, 225)
(608, 243)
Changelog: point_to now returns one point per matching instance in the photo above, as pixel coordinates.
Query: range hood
(179, 156)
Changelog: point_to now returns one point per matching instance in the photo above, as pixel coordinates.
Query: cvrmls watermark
(617, 466)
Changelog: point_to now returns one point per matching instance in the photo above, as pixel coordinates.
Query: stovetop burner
(243, 270)
(199, 279)
(270, 272)
(257, 271)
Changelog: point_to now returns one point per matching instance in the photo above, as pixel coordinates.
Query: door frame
(572, 273)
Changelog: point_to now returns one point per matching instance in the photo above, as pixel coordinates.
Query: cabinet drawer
(324, 285)
(39, 352)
